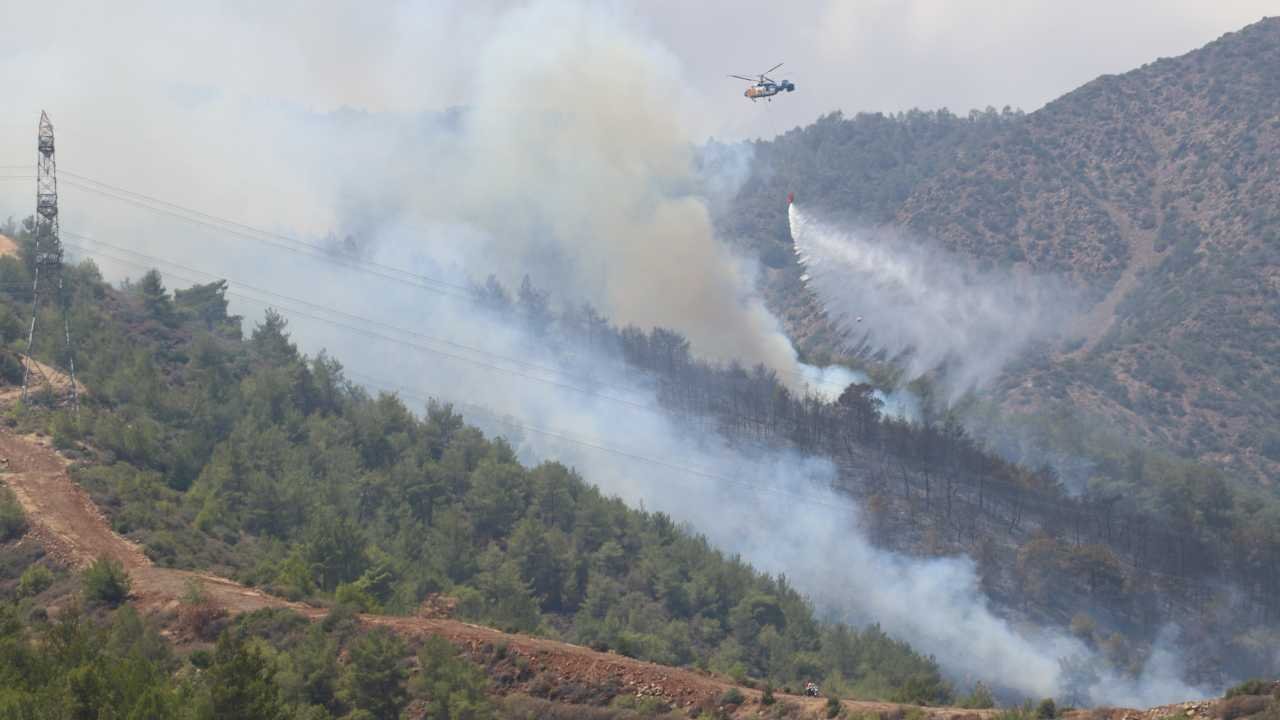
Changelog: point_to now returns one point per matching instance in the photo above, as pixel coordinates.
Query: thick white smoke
(572, 163)
(830, 381)
(922, 303)
(573, 160)
(774, 508)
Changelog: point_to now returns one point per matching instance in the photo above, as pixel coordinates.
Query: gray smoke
(572, 163)
(745, 500)
(922, 304)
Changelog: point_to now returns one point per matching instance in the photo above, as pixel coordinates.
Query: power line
(328, 258)
(310, 251)
(363, 330)
(809, 499)
(152, 261)
(249, 232)
(47, 252)
(555, 434)
(358, 318)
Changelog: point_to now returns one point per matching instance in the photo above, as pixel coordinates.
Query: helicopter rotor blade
(775, 67)
(740, 77)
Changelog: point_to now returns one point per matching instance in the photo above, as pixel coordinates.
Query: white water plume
(830, 381)
(572, 163)
(888, 292)
(775, 508)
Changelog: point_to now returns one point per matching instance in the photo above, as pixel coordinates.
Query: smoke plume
(919, 303)
(572, 160)
(572, 163)
(775, 508)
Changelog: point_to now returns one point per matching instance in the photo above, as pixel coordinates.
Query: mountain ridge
(1153, 191)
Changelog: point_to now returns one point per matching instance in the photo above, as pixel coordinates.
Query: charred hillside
(1154, 191)
(240, 456)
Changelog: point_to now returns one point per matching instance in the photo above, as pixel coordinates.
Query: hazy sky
(851, 55)
(123, 79)
(199, 104)
(887, 55)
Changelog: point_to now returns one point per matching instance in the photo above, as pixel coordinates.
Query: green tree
(35, 580)
(540, 559)
(732, 696)
(155, 298)
(207, 303)
(155, 704)
(241, 683)
(309, 673)
(454, 688)
(355, 595)
(980, 699)
(509, 603)
(496, 497)
(923, 689)
(334, 550)
(105, 582)
(374, 680)
(271, 341)
(13, 522)
(87, 692)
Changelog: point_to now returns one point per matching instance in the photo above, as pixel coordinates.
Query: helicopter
(765, 86)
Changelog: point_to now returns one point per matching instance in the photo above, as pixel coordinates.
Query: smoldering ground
(572, 163)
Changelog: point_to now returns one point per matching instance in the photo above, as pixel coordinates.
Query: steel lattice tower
(48, 260)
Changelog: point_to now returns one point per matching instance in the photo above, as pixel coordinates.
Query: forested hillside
(244, 457)
(1154, 191)
(1158, 541)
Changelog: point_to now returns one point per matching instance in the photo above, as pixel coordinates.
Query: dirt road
(74, 532)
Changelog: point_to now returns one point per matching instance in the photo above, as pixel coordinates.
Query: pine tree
(453, 687)
(241, 683)
(155, 297)
(374, 681)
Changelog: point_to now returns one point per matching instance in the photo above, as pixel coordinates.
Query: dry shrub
(198, 616)
(1242, 706)
(523, 706)
(785, 709)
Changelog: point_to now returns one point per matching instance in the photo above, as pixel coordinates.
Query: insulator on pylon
(47, 281)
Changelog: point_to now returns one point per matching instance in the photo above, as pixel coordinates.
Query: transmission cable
(248, 232)
(401, 341)
(556, 434)
(358, 318)
(154, 261)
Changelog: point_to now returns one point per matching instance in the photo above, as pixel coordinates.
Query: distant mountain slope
(1156, 191)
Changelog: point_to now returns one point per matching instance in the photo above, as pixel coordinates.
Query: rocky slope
(1155, 192)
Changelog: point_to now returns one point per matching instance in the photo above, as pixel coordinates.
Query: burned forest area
(567, 383)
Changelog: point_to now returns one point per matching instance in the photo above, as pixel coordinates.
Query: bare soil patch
(74, 532)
